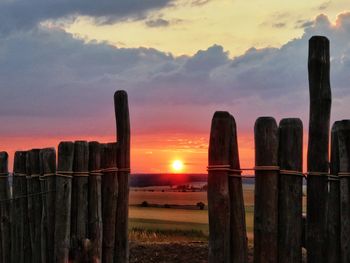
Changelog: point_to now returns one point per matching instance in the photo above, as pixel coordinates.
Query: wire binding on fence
(115, 169)
(43, 177)
(96, 172)
(237, 172)
(344, 174)
(19, 174)
(66, 174)
(81, 174)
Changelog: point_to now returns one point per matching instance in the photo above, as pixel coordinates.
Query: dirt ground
(174, 252)
(194, 252)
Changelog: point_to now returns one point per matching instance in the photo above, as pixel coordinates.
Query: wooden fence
(280, 231)
(75, 212)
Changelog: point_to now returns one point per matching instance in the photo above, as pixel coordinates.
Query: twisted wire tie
(96, 173)
(344, 174)
(33, 176)
(81, 174)
(66, 174)
(44, 177)
(19, 174)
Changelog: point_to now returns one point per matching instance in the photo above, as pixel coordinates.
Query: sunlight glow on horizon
(177, 166)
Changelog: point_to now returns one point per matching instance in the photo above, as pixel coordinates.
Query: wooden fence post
(334, 200)
(79, 210)
(266, 191)
(95, 202)
(239, 244)
(34, 203)
(218, 188)
(5, 225)
(317, 157)
(63, 201)
(19, 208)
(343, 132)
(290, 206)
(47, 181)
(121, 105)
(109, 200)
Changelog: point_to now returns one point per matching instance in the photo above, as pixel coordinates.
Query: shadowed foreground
(171, 252)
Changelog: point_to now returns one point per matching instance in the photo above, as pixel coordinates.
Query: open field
(159, 224)
(169, 223)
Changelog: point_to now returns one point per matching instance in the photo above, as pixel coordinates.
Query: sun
(177, 165)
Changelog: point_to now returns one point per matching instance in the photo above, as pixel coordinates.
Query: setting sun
(177, 165)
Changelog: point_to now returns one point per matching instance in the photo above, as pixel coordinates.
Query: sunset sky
(179, 61)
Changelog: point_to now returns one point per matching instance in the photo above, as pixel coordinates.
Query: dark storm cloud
(50, 79)
(160, 22)
(24, 14)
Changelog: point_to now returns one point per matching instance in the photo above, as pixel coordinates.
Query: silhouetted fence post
(79, 210)
(121, 105)
(238, 242)
(95, 202)
(5, 226)
(34, 203)
(109, 200)
(218, 188)
(63, 201)
(19, 208)
(317, 158)
(343, 132)
(266, 191)
(47, 181)
(334, 200)
(290, 191)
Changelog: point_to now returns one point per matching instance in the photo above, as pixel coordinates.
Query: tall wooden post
(109, 200)
(34, 203)
(80, 182)
(19, 208)
(317, 157)
(95, 202)
(266, 191)
(218, 188)
(343, 132)
(47, 181)
(63, 201)
(5, 221)
(238, 242)
(334, 200)
(290, 191)
(123, 163)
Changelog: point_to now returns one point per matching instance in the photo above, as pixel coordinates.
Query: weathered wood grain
(266, 191)
(47, 181)
(317, 157)
(343, 132)
(238, 242)
(20, 227)
(95, 201)
(5, 210)
(218, 189)
(79, 210)
(290, 191)
(34, 203)
(109, 200)
(63, 202)
(123, 162)
(333, 242)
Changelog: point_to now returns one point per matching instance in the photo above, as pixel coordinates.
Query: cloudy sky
(179, 61)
